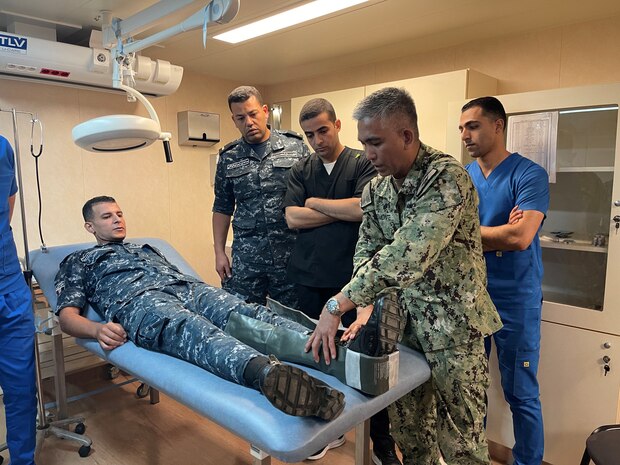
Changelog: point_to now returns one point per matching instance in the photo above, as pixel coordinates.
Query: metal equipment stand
(45, 428)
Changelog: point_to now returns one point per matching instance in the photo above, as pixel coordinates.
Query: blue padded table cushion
(241, 410)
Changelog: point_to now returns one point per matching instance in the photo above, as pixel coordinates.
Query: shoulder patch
(293, 134)
(427, 181)
(229, 146)
(366, 199)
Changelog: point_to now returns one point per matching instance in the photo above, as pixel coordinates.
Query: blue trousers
(17, 374)
(187, 321)
(518, 352)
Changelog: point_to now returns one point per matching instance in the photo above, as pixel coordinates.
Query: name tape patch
(238, 164)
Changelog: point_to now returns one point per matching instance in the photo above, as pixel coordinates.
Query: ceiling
(374, 31)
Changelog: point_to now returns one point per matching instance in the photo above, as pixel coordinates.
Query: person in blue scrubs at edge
(17, 369)
(514, 198)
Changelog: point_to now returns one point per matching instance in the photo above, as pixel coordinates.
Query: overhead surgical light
(117, 133)
(287, 18)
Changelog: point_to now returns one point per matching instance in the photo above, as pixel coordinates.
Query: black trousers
(312, 300)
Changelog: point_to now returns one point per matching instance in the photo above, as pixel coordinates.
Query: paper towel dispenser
(198, 128)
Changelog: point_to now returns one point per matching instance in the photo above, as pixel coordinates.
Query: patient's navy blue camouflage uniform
(161, 308)
(252, 186)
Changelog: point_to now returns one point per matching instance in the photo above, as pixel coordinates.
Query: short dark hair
(389, 103)
(490, 106)
(315, 107)
(87, 209)
(242, 93)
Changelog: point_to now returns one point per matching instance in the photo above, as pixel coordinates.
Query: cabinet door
(576, 395)
(575, 234)
(581, 279)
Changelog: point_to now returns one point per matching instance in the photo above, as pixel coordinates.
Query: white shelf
(585, 169)
(572, 246)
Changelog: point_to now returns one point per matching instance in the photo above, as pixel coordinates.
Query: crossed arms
(517, 234)
(318, 212)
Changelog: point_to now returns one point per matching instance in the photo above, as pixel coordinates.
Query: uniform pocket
(284, 160)
(95, 255)
(506, 267)
(243, 227)
(150, 331)
(525, 385)
(10, 262)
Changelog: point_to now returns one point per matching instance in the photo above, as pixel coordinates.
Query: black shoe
(383, 330)
(332, 445)
(295, 392)
(385, 456)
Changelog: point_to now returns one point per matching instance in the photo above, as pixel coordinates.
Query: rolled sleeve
(533, 190)
(366, 174)
(295, 189)
(224, 201)
(69, 283)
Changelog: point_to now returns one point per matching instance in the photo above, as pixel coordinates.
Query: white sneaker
(332, 445)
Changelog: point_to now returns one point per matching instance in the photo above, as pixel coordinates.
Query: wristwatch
(333, 307)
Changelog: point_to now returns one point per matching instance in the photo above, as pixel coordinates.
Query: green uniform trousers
(445, 414)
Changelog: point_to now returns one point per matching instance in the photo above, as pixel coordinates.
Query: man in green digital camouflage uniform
(420, 239)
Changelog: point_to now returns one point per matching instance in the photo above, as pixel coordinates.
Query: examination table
(241, 410)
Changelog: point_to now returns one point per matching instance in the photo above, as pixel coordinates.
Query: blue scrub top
(513, 276)
(11, 277)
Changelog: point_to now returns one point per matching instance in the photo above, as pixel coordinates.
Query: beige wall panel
(191, 191)
(138, 180)
(60, 164)
(520, 63)
(171, 201)
(421, 64)
(579, 54)
(480, 85)
(431, 95)
(354, 77)
(344, 102)
(286, 116)
(590, 53)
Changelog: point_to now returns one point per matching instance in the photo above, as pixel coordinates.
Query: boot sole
(295, 392)
(391, 325)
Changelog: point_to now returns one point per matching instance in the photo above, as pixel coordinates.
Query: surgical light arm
(216, 11)
(118, 36)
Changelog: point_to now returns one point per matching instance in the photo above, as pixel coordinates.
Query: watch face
(332, 306)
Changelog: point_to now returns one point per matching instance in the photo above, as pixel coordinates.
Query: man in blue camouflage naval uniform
(250, 182)
(420, 239)
(146, 299)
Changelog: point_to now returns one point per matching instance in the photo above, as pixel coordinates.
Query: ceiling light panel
(287, 18)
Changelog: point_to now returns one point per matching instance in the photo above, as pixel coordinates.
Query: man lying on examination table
(147, 300)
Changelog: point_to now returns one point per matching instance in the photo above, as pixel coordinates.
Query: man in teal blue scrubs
(17, 369)
(514, 197)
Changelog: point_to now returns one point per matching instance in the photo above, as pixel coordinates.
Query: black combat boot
(295, 392)
(383, 330)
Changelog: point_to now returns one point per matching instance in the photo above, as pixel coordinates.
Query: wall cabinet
(576, 231)
(430, 93)
(581, 249)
